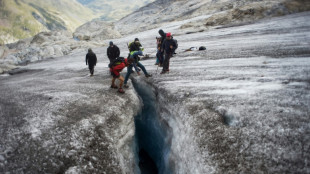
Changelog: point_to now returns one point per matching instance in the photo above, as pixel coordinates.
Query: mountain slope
(241, 106)
(114, 10)
(216, 12)
(24, 18)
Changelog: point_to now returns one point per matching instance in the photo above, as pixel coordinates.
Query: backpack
(117, 61)
(129, 44)
(176, 43)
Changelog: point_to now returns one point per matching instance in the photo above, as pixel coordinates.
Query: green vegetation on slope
(15, 22)
(20, 19)
(52, 22)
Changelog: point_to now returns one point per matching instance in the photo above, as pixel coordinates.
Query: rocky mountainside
(20, 19)
(114, 10)
(210, 12)
(207, 14)
(42, 46)
(96, 30)
(191, 16)
(240, 106)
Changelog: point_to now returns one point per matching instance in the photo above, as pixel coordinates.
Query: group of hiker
(165, 49)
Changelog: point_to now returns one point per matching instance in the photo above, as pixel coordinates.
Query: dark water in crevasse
(152, 136)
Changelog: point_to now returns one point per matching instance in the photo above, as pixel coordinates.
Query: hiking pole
(157, 69)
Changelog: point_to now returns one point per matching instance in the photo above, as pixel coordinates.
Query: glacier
(241, 106)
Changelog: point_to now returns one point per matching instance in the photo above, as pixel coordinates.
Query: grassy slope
(72, 13)
(17, 21)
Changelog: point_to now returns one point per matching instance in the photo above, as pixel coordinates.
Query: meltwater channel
(152, 134)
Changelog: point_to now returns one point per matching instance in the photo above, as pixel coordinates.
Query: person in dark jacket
(162, 35)
(160, 53)
(91, 60)
(168, 47)
(135, 45)
(112, 52)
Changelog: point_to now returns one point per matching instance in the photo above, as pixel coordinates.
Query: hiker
(160, 54)
(135, 45)
(115, 69)
(136, 50)
(168, 47)
(91, 60)
(112, 52)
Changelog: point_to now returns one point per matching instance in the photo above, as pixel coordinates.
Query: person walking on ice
(91, 60)
(112, 52)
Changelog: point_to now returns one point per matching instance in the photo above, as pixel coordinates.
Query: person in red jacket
(115, 71)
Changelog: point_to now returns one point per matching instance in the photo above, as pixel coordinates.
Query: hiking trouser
(129, 71)
(160, 57)
(166, 62)
(157, 60)
(91, 68)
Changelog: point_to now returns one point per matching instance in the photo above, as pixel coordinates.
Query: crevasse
(152, 134)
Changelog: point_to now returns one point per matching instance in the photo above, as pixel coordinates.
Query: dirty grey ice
(241, 106)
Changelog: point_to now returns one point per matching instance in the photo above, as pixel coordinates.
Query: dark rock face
(146, 163)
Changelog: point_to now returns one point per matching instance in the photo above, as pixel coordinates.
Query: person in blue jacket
(136, 50)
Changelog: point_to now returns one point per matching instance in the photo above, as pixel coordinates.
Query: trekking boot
(163, 72)
(126, 86)
(114, 86)
(120, 90)
(148, 75)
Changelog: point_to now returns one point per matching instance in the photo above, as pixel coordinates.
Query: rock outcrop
(23, 19)
(96, 30)
(250, 12)
(219, 12)
(41, 46)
